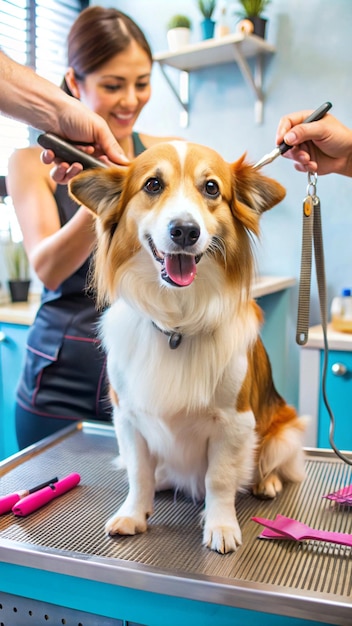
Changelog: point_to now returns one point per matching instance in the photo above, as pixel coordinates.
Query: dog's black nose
(184, 233)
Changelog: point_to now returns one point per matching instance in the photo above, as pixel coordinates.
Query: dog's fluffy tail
(281, 457)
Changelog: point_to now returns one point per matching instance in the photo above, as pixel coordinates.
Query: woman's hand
(63, 172)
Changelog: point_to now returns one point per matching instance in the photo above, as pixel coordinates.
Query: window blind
(34, 33)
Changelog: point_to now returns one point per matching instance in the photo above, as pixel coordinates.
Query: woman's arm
(55, 253)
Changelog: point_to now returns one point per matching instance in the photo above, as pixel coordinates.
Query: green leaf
(16, 261)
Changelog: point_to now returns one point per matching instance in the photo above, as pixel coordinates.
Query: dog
(195, 407)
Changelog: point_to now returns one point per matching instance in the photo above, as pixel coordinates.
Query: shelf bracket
(181, 94)
(236, 47)
(255, 82)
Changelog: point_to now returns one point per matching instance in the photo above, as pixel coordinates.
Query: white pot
(178, 38)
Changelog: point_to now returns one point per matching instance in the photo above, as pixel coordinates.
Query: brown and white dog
(195, 407)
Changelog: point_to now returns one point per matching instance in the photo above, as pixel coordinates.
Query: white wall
(313, 39)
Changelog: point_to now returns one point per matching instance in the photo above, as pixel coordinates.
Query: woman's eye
(212, 188)
(153, 186)
(112, 87)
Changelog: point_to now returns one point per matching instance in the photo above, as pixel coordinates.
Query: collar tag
(175, 340)
(175, 337)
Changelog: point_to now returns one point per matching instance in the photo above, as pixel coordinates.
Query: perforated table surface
(165, 577)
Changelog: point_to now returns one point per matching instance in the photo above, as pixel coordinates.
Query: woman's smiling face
(119, 89)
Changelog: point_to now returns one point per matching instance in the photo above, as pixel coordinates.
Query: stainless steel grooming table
(165, 577)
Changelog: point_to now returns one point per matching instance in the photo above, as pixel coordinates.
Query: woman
(63, 380)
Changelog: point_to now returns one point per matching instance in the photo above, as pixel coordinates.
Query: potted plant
(18, 271)
(179, 32)
(253, 10)
(207, 8)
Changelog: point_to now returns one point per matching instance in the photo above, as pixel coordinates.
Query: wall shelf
(233, 48)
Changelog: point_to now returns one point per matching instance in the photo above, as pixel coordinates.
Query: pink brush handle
(38, 499)
(267, 533)
(7, 502)
(333, 537)
(343, 539)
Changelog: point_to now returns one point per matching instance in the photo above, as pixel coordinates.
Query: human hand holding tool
(9, 501)
(36, 500)
(284, 147)
(64, 150)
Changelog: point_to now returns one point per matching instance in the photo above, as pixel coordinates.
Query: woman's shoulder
(29, 157)
(26, 163)
(30, 153)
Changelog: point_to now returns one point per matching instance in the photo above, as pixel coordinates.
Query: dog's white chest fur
(177, 399)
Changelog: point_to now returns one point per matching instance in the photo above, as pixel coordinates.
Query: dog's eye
(153, 186)
(212, 188)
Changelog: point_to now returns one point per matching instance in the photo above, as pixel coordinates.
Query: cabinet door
(275, 334)
(12, 349)
(339, 395)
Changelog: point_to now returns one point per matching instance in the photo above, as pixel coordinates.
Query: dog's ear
(253, 193)
(99, 189)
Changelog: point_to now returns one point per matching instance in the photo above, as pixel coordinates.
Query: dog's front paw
(125, 525)
(223, 539)
(268, 488)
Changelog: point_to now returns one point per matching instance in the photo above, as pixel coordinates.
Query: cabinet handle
(339, 369)
(2, 337)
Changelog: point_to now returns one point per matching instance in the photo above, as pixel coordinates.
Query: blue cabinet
(339, 394)
(338, 388)
(277, 335)
(12, 348)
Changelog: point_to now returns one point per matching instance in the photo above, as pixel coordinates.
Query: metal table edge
(235, 594)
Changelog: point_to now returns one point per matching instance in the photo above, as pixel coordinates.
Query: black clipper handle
(67, 152)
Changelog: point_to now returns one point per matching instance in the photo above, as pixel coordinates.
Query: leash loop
(312, 184)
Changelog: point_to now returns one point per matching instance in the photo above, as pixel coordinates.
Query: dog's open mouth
(178, 269)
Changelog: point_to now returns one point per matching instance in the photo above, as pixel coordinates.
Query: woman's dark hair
(97, 35)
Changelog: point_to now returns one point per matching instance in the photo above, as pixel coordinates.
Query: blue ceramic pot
(207, 27)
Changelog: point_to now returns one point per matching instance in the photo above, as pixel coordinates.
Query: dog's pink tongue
(181, 268)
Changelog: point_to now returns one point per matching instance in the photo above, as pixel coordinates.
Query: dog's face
(177, 202)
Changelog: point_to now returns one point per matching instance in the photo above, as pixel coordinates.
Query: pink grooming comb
(342, 496)
(287, 528)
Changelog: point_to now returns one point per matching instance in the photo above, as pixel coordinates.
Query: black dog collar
(174, 336)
